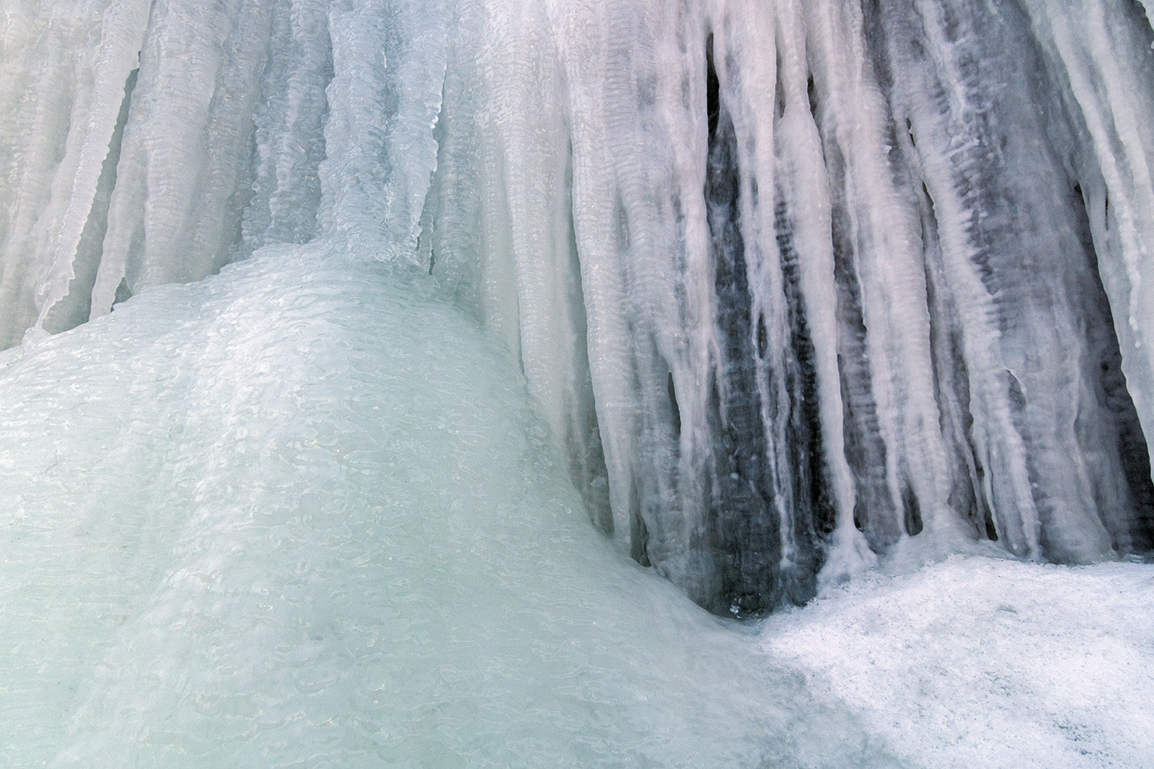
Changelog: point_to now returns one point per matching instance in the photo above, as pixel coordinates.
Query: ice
(301, 512)
(389, 69)
(289, 128)
(790, 285)
(48, 53)
(794, 292)
(1104, 51)
(184, 174)
(897, 347)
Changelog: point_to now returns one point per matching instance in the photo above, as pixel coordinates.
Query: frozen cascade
(794, 286)
(795, 289)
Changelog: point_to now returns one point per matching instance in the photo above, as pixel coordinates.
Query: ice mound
(300, 515)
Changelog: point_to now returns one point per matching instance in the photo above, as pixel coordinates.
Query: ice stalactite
(906, 347)
(1037, 348)
(794, 285)
(289, 123)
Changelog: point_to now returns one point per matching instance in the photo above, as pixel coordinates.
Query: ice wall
(795, 285)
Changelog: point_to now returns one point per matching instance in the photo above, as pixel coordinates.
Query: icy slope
(299, 515)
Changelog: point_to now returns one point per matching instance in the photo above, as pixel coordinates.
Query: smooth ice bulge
(300, 513)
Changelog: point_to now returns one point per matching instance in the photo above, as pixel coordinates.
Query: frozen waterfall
(795, 288)
(794, 285)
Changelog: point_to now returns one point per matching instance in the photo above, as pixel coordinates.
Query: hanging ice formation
(795, 284)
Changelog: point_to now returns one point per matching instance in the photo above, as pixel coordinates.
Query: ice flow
(794, 288)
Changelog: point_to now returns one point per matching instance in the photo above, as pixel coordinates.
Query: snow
(979, 661)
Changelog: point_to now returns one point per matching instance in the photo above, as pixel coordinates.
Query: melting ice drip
(795, 284)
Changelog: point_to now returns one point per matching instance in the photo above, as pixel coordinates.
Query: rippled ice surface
(298, 515)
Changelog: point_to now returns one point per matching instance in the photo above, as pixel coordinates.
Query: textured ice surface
(790, 283)
(299, 514)
(792, 287)
(987, 662)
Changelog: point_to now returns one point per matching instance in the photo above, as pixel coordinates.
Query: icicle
(184, 173)
(290, 121)
(805, 189)
(389, 73)
(45, 82)
(1105, 52)
(584, 34)
(96, 117)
